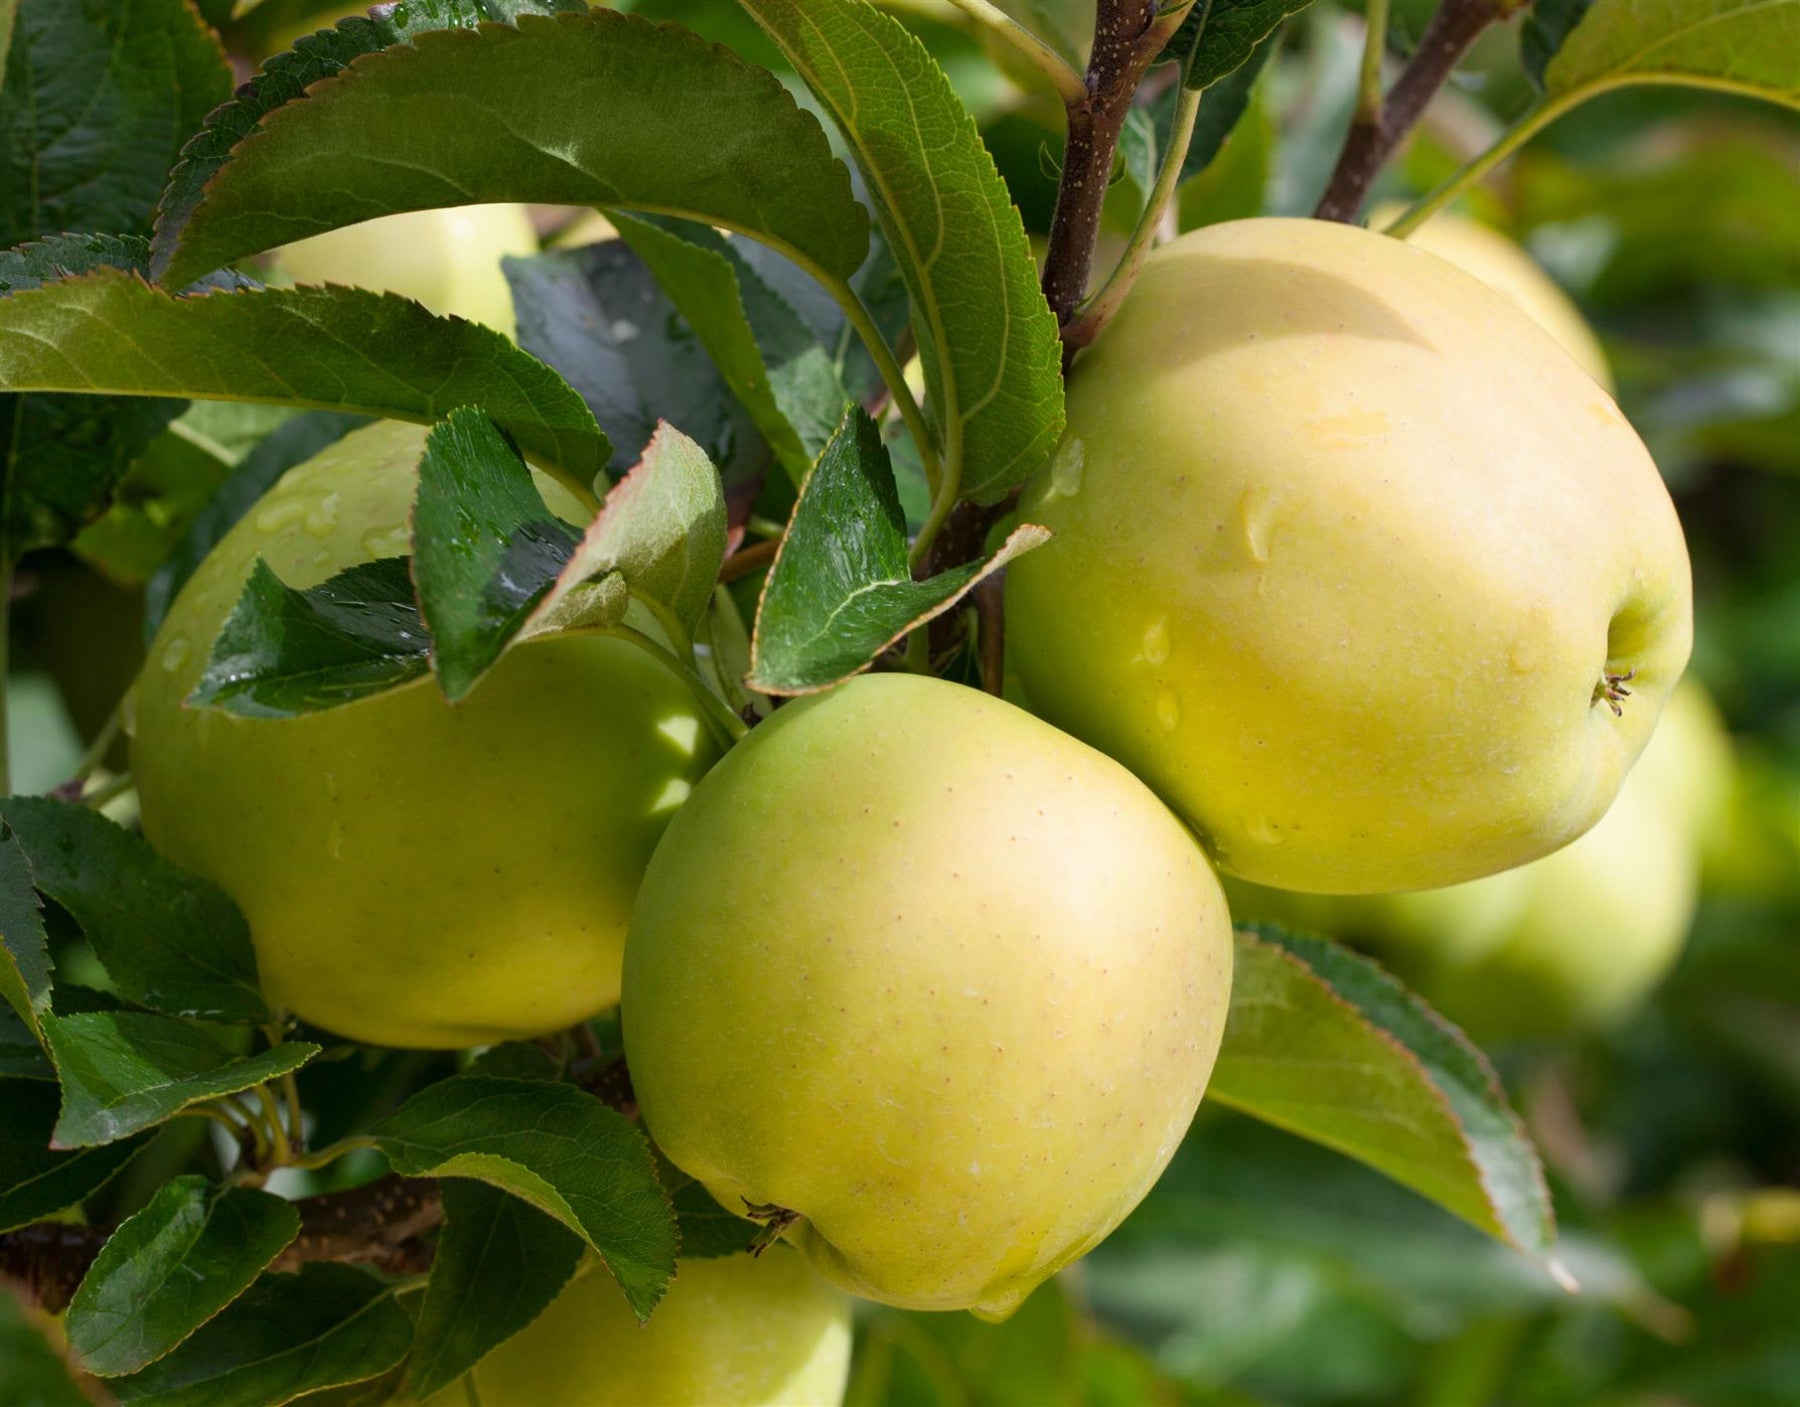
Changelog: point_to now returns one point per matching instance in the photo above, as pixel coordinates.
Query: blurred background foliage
(1264, 1270)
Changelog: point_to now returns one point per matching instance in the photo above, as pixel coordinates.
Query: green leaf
(707, 1229)
(841, 590)
(987, 339)
(24, 950)
(32, 1373)
(126, 1071)
(95, 103)
(168, 939)
(320, 348)
(21, 1055)
(662, 529)
(559, 1149)
(323, 1327)
(767, 355)
(486, 549)
(1219, 36)
(500, 1262)
(1325, 1044)
(37, 1180)
(1742, 46)
(1547, 24)
(286, 77)
(284, 652)
(170, 1268)
(294, 442)
(598, 317)
(594, 109)
(1221, 109)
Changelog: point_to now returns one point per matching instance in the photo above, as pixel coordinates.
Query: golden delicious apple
(733, 1332)
(936, 980)
(449, 260)
(415, 873)
(1513, 274)
(1351, 564)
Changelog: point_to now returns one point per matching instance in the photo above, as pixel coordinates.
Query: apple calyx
(1612, 689)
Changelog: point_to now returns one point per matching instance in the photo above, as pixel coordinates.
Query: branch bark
(387, 1224)
(1375, 134)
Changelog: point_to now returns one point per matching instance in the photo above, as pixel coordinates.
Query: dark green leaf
(499, 1265)
(1547, 24)
(559, 1149)
(168, 939)
(288, 1335)
(1325, 1044)
(286, 77)
(768, 356)
(284, 652)
(707, 1229)
(37, 1181)
(1220, 110)
(486, 548)
(597, 316)
(292, 443)
(987, 339)
(32, 1373)
(595, 109)
(172, 1267)
(95, 103)
(1219, 36)
(841, 590)
(126, 1071)
(21, 1055)
(24, 952)
(322, 348)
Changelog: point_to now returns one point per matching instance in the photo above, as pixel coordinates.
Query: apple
(415, 873)
(763, 1332)
(449, 260)
(1351, 565)
(1513, 274)
(935, 981)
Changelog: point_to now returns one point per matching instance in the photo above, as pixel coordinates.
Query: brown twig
(386, 1224)
(1374, 134)
(1128, 35)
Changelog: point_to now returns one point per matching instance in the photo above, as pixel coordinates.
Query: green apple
(1352, 564)
(732, 1332)
(449, 260)
(1604, 920)
(936, 980)
(414, 873)
(1513, 274)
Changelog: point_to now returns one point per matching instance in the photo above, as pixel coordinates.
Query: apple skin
(762, 1332)
(415, 873)
(1345, 548)
(449, 259)
(944, 982)
(1575, 940)
(1512, 273)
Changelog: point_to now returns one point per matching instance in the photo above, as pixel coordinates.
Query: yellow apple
(415, 873)
(733, 1332)
(1513, 274)
(1352, 565)
(449, 260)
(937, 980)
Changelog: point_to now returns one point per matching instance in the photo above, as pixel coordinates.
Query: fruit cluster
(1359, 583)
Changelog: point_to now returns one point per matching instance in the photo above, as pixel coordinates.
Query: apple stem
(1378, 127)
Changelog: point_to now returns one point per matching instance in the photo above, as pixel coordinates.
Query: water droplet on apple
(1256, 516)
(1168, 709)
(1067, 469)
(175, 653)
(394, 541)
(323, 516)
(1262, 830)
(280, 514)
(1156, 641)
